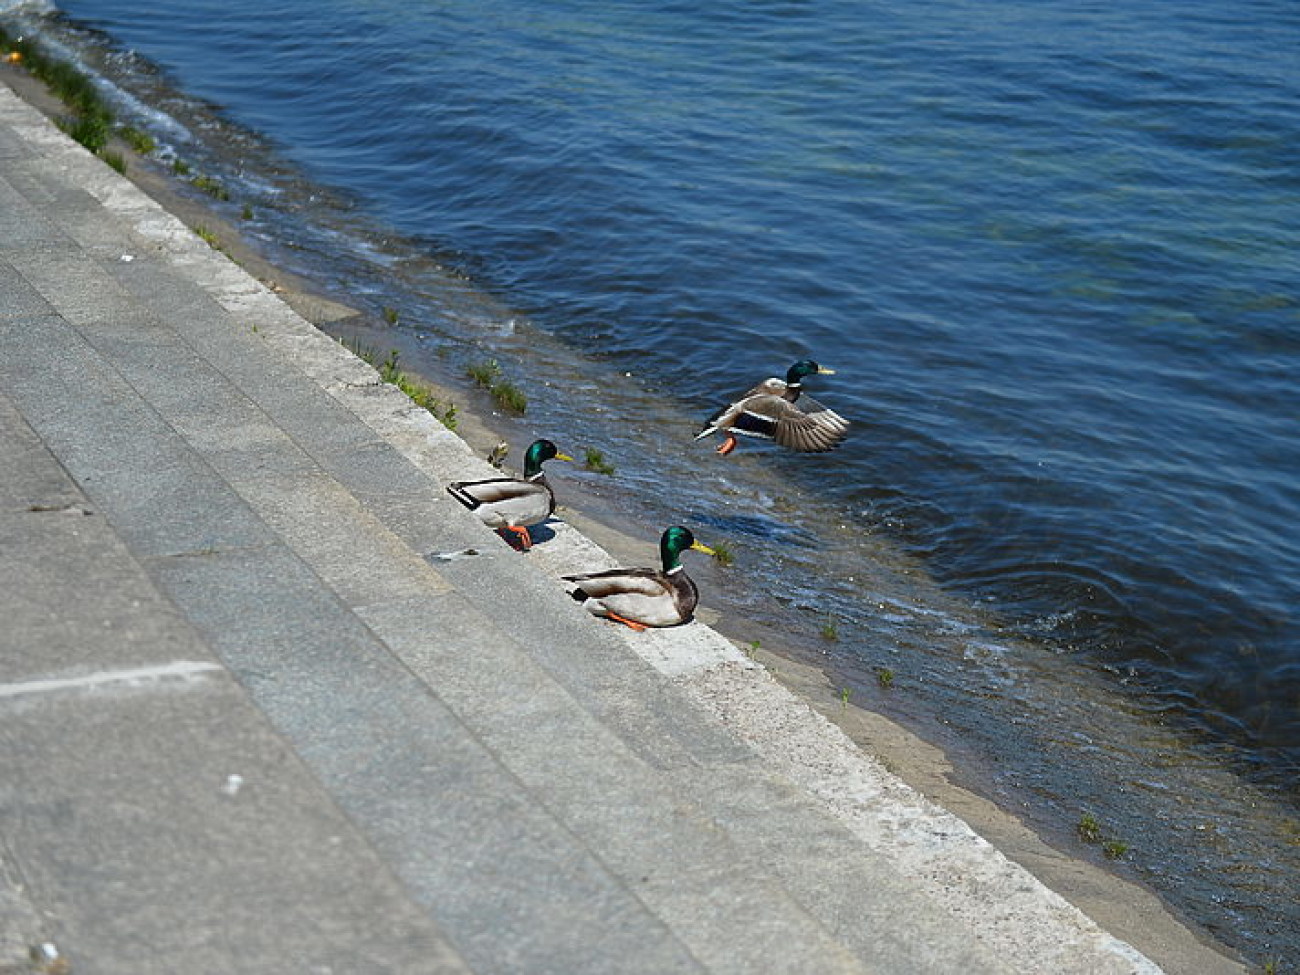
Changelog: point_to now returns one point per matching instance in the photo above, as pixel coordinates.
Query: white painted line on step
(179, 669)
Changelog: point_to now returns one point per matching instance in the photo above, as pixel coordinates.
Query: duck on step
(513, 504)
(642, 598)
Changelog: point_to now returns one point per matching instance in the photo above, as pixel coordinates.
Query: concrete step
(152, 820)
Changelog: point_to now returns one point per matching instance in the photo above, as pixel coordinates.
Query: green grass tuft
(510, 397)
(142, 143)
(208, 237)
(92, 119)
(388, 369)
(830, 630)
(507, 395)
(422, 396)
(594, 460)
(1114, 849)
(885, 678)
(484, 373)
(1089, 828)
(722, 554)
(391, 372)
(115, 160)
(180, 167)
(93, 130)
(211, 187)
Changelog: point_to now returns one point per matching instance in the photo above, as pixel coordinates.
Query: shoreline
(1125, 908)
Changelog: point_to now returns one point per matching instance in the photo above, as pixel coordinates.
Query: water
(1050, 248)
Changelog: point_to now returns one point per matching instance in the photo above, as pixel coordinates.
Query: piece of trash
(233, 784)
(465, 553)
(47, 959)
(128, 258)
(62, 509)
(496, 457)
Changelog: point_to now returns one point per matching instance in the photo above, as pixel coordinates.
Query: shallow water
(1050, 250)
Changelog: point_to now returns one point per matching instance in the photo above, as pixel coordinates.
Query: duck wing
(515, 501)
(808, 426)
(643, 582)
(805, 425)
(725, 418)
(645, 596)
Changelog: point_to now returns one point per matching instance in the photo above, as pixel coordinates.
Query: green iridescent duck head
(805, 367)
(674, 542)
(538, 453)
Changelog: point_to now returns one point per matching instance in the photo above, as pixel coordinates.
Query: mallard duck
(774, 410)
(641, 598)
(513, 504)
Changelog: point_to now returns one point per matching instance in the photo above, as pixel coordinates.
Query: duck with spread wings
(777, 410)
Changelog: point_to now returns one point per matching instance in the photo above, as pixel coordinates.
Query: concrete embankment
(270, 701)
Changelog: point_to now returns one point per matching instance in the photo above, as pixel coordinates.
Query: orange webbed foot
(633, 624)
(727, 446)
(521, 535)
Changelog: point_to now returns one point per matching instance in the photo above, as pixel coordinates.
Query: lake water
(1052, 250)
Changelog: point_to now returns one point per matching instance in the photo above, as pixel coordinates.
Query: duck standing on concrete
(642, 598)
(513, 504)
(775, 410)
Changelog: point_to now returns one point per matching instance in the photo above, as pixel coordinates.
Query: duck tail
(457, 490)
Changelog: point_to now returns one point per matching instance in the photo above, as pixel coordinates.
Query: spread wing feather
(809, 426)
(804, 425)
